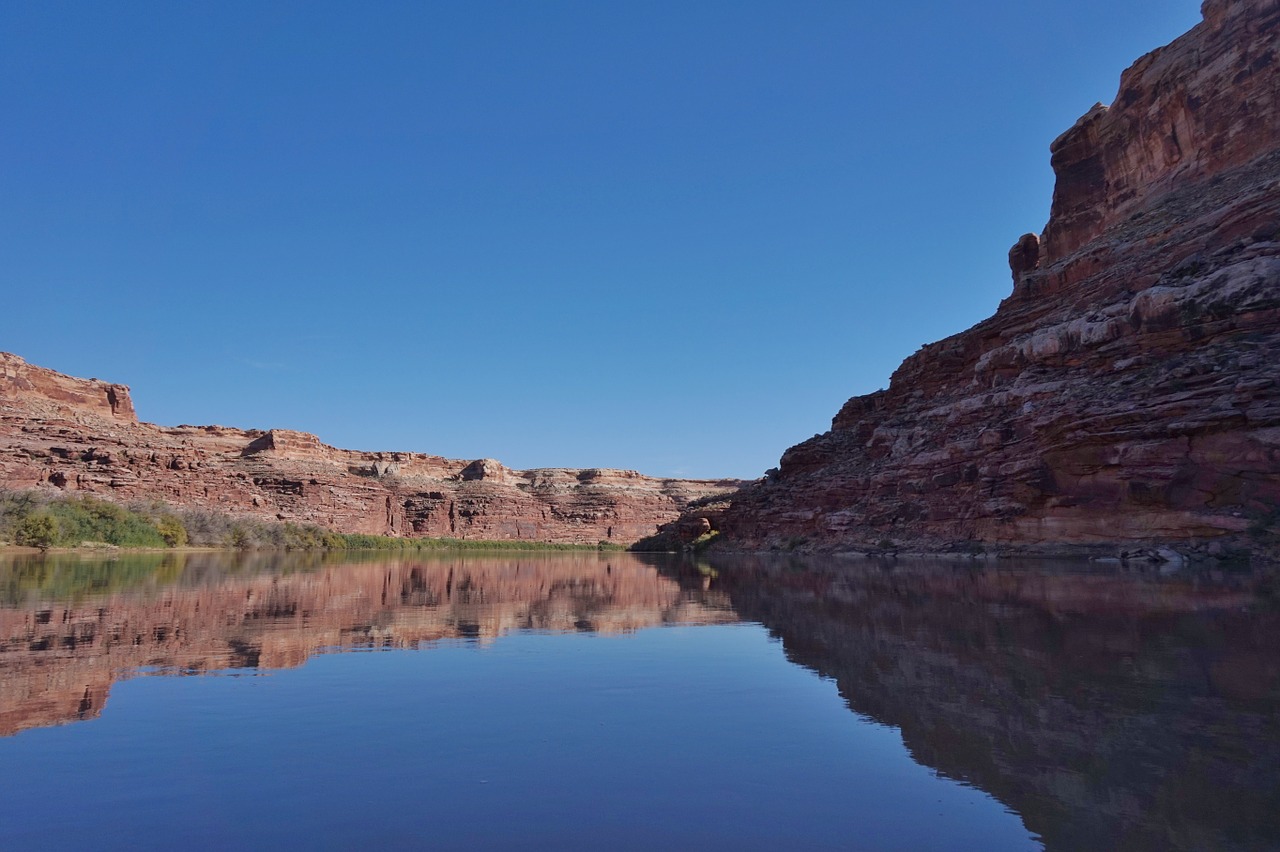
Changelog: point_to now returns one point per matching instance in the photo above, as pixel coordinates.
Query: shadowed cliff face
(1128, 391)
(74, 434)
(69, 628)
(1110, 711)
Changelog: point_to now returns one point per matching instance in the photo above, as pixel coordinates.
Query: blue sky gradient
(673, 237)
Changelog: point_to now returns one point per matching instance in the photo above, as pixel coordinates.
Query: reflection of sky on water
(694, 737)
(540, 708)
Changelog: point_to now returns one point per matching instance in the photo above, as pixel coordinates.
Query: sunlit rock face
(1128, 390)
(70, 628)
(73, 434)
(44, 393)
(1200, 107)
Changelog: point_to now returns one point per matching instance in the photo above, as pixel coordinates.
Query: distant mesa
(72, 434)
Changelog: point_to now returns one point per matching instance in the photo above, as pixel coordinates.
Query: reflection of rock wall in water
(83, 435)
(58, 658)
(1109, 712)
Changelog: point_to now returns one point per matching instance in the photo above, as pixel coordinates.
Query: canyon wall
(1128, 391)
(77, 435)
(44, 393)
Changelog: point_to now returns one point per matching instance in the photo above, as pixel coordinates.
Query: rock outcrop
(1128, 391)
(46, 394)
(83, 435)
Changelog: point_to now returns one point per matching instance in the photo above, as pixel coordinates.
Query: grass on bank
(34, 519)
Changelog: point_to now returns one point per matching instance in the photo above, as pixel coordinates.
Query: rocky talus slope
(1126, 392)
(59, 432)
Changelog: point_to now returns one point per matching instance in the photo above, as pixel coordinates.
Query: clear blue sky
(668, 236)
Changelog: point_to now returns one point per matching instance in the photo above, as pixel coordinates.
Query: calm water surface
(584, 702)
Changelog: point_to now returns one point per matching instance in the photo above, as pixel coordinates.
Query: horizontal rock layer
(1129, 389)
(83, 435)
(38, 392)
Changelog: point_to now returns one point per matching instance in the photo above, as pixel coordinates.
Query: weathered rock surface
(60, 654)
(1128, 390)
(83, 435)
(44, 393)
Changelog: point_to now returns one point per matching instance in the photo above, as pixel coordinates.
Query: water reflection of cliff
(70, 627)
(1109, 711)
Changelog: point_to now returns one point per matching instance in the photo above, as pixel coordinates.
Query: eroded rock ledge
(73, 434)
(1128, 391)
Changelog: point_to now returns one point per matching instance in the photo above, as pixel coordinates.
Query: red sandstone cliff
(1127, 391)
(83, 435)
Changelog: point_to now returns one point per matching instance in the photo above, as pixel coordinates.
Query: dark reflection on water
(1110, 710)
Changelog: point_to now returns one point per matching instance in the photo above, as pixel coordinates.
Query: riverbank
(32, 521)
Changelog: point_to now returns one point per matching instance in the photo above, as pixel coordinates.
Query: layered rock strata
(1128, 391)
(83, 435)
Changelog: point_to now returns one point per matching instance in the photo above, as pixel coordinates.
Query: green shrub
(172, 531)
(86, 518)
(239, 537)
(702, 542)
(70, 520)
(38, 530)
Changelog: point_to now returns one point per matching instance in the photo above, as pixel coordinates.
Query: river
(587, 701)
